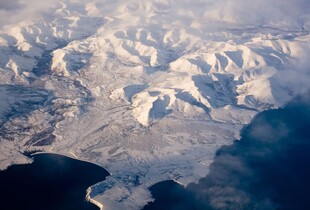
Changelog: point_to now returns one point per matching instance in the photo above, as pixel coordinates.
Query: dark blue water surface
(51, 182)
(268, 169)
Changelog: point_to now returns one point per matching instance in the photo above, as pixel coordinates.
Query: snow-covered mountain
(149, 90)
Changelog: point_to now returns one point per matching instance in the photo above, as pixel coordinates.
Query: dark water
(170, 195)
(269, 169)
(51, 182)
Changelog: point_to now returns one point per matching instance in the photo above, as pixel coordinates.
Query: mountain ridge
(148, 95)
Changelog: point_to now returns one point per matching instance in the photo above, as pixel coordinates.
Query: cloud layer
(267, 169)
(289, 14)
(15, 11)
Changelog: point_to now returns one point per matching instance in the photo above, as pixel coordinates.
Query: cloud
(9, 5)
(266, 167)
(277, 13)
(263, 12)
(13, 12)
(266, 170)
(239, 13)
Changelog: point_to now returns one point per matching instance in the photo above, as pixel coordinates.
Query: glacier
(148, 90)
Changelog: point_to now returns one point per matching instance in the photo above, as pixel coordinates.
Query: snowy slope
(149, 90)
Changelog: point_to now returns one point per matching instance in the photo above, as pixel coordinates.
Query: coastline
(88, 198)
(73, 156)
(88, 192)
(91, 200)
(68, 155)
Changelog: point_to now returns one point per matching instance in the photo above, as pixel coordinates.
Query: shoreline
(68, 155)
(89, 199)
(72, 156)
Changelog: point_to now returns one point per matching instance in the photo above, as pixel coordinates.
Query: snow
(11, 156)
(4, 104)
(148, 90)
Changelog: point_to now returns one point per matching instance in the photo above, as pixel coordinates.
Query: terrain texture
(149, 90)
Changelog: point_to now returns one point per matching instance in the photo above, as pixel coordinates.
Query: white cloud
(9, 5)
(289, 13)
(12, 12)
